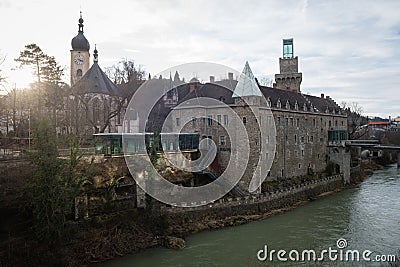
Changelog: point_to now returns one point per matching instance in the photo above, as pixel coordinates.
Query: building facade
(307, 130)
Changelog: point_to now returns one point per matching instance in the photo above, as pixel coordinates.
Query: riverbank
(106, 237)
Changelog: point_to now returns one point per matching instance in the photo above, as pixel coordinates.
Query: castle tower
(79, 54)
(289, 77)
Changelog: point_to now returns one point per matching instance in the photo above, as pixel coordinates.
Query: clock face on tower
(79, 59)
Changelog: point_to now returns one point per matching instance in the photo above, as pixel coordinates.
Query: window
(296, 154)
(296, 106)
(267, 156)
(287, 104)
(267, 140)
(244, 120)
(178, 122)
(225, 119)
(314, 123)
(302, 139)
(278, 121)
(203, 120)
(302, 152)
(278, 104)
(297, 122)
(286, 121)
(193, 121)
(209, 120)
(299, 165)
(222, 140)
(79, 74)
(305, 107)
(295, 138)
(287, 48)
(219, 119)
(330, 124)
(269, 120)
(291, 122)
(311, 138)
(269, 103)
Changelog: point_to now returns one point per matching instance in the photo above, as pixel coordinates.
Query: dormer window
(311, 108)
(305, 107)
(279, 104)
(296, 106)
(269, 102)
(287, 104)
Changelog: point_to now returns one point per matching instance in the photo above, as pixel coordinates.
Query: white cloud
(347, 49)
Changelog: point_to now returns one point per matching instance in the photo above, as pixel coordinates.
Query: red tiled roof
(378, 123)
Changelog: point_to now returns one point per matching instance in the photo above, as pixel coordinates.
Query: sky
(348, 50)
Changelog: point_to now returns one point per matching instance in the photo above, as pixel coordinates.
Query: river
(367, 217)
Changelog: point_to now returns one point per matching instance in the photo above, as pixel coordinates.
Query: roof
(378, 122)
(95, 81)
(247, 85)
(287, 99)
(80, 42)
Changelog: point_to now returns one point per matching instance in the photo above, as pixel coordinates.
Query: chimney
(230, 75)
(191, 87)
(322, 96)
(212, 79)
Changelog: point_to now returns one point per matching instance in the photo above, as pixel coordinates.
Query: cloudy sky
(347, 49)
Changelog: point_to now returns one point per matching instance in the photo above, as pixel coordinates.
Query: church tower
(289, 77)
(79, 54)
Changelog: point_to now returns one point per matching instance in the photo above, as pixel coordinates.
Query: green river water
(367, 217)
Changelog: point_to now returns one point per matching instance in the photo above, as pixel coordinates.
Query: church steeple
(80, 23)
(79, 54)
(80, 42)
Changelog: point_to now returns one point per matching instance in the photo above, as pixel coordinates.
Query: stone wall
(253, 205)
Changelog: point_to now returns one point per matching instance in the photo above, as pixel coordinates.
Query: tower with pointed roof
(80, 57)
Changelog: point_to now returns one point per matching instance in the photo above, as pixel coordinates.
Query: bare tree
(2, 78)
(357, 123)
(265, 81)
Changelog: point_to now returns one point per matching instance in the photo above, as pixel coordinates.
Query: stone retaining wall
(253, 205)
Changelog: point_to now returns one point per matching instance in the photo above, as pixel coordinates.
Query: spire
(95, 54)
(80, 22)
(247, 85)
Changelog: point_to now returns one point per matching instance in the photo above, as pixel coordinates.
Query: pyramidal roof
(95, 81)
(247, 85)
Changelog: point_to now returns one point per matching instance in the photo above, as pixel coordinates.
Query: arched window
(79, 74)
(296, 106)
(287, 104)
(96, 108)
(278, 104)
